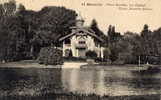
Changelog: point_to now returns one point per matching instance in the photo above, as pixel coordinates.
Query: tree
(95, 28)
(98, 32)
(7, 12)
(109, 30)
(113, 43)
(157, 40)
(106, 53)
(148, 42)
(8, 8)
(29, 23)
(52, 23)
(55, 22)
(21, 7)
(19, 27)
(113, 36)
(114, 54)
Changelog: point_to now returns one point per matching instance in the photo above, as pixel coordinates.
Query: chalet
(80, 40)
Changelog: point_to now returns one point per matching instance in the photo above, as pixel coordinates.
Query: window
(81, 32)
(82, 42)
(67, 41)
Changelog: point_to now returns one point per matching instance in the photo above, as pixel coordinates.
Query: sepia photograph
(80, 49)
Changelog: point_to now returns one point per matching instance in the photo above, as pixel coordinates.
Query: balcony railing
(81, 45)
(68, 45)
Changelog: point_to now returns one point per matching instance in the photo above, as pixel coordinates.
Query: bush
(50, 56)
(75, 59)
(91, 54)
(106, 53)
(68, 53)
(113, 56)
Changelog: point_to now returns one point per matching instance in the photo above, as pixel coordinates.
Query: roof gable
(85, 30)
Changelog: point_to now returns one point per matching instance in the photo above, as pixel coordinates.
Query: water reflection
(108, 82)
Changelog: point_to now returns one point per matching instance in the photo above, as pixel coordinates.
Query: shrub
(106, 53)
(113, 56)
(91, 54)
(68, 53)
(75, 59)
(50, 56)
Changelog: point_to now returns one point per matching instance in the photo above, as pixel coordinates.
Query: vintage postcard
(80, 50)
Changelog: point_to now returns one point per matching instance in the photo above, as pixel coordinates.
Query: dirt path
(33, 64)
(73, 64)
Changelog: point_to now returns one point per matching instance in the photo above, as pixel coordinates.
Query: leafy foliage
(106, 53)
(55, 22)
(95, 28)
(23, 32)
(91, 54)
(98, 32)
(114, 54)
(50, 56)
(133, 45)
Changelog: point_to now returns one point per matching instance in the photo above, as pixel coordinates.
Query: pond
(34, 81)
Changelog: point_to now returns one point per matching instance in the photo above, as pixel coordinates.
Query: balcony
(81, 45)
(67, 45)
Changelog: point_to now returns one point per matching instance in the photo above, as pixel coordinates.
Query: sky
(107, 12)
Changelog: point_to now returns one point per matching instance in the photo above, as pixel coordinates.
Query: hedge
(50, 56)
(91, 54)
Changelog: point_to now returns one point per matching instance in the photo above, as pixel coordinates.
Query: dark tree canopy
(8, 8)
(95, 28)
(98, 32)
(55, 22)
(23, 32)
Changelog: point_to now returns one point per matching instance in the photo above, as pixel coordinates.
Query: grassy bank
(72, 96)
(119, 67)
(27, 64)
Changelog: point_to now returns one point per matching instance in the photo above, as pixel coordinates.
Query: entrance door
(82, 52)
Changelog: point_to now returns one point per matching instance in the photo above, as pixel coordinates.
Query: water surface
(33, 81)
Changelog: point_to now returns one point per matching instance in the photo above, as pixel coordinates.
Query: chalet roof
(84, 29)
